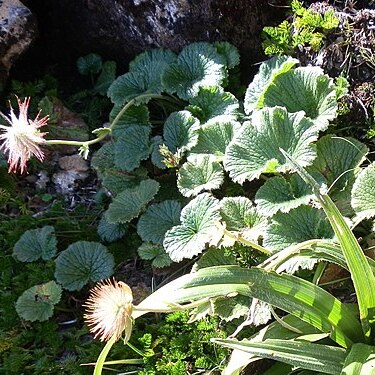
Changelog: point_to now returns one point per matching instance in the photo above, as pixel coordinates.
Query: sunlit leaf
(199, 64)
(230, 52)
(156, 157)
(157, 220)
(256, 147)
(83, 262)
(282, 194)
(300, 224)
(37, 303)
(268, 71)
(212, 102)
(198, 226)
(199, 173)
(363, 194)
(36, 244)
(181, 131)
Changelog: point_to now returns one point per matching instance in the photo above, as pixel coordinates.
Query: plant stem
(238, 237)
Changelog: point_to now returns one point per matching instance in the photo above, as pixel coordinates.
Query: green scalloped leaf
(282, 194)
(83, 262)
(37, 303)
(181, 131)
(212, 102)
(229, 308)
(214, 137)
(135, 115)
(198, 227)
(214, 257)
(300, 224)
(199, 173)
(156, 157)
(268, 71)
(89, 64)
(158, 219)
(305, 89)
(132, 147)
(363, 193)
(111, 232)
(156, 253)
(116, 181)
(106, 77)
(36, 244)
(128, 204)
(337, 163)
(104, 159)
(144, 76)
(256, 147)
(229, 52)
(240, 215)
(199, 64)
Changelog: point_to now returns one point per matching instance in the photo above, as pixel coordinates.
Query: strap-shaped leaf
(130, 202)
(212, 102)
(83, 262)
(239, 214)
(37, 302)
(181, 131)
(155, 253)
(282, 194)
(215, 136)
(230, 52)
(299, 297)
(305, 89)
(268, 71)
(134, 115)
(144, 76)
(198, 226)
(298, 225)
(199, 173)
(36, 244)
(157, 220)
(306, 355)
(363, 193)
(111, 232)
(199, 64)
(360, 360)
(256, 147)
(133, 146)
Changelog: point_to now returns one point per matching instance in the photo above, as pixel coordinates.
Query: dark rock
(17, 30)
(120, 29)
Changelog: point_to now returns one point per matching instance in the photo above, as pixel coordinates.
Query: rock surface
(120, 29)
(18, 29)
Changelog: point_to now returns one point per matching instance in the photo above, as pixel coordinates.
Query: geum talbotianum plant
(292, 220)
(297, 218)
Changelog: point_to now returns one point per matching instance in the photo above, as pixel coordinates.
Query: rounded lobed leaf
(282, 194)
(156, 253)
(256, 147)
(305, 89)
(128, 204)
(156, 157)
(229, 52)
(89, 64)
(110, 232)
(36, 244)
(214, 137)
(198, 227)
(132, 146)
(268, 71)
(181, 131)
(106, 77)
(104, 159)
(199, 64)
(37, 303)
(83, 262)
(212, 102)
(199, 173)
(158, 219)
(239, 214)
(363, 193)
(300, 224)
